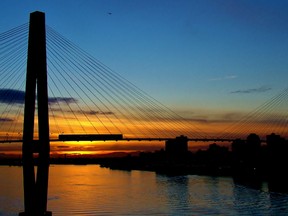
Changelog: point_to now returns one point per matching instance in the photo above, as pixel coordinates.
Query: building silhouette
(177, 149)
(247, 155)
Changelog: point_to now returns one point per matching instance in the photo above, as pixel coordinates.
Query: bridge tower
(36, 186)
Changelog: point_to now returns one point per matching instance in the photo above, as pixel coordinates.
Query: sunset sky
(209, 60)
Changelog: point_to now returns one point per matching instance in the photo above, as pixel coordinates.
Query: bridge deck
(118, 138)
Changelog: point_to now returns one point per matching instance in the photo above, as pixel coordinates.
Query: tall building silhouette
(177, 149)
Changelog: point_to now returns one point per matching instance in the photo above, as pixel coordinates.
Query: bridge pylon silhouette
(36, 186)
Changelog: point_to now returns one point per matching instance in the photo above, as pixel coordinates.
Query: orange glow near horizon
(71, 125)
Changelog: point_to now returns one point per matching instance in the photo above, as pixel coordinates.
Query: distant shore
(247, 160)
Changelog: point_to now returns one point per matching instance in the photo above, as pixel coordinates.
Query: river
(91, 190)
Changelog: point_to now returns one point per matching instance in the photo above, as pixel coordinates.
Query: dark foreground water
(91, 190)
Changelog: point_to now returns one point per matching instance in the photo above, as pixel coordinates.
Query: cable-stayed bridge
(87, 97)
(86, 101)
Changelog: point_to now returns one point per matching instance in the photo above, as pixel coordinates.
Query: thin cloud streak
(229, 77)
(6, 120)
(67, 100)
(252, 90)
(84, 112)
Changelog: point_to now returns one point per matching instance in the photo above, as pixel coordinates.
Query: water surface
(91, 190)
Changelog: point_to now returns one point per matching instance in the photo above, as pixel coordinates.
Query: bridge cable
(134, 95)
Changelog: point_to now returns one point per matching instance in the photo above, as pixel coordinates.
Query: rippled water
(91, 190)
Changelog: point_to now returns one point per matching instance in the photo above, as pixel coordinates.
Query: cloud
(85, 112)
(253, 90)
(12, 96)
(63, 147)
(98, 112)
(8, 96)
(6, 119)
(67, 100)
(229, 77)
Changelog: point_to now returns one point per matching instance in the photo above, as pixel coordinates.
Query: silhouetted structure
(177, 149)
(247, 155)
(277, 148)
(36, 190)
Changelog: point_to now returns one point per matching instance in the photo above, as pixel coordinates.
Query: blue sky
(199, 57)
